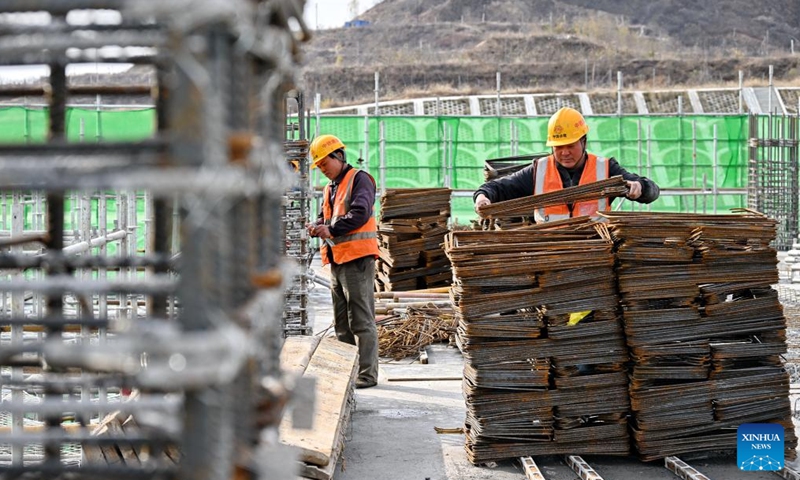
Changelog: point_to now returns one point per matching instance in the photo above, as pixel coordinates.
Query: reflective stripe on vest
(357, 243)
(547, 179)
(353, 236)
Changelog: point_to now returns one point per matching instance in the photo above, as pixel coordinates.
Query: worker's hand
(481, 200)
(634, 189)
(311, 229)
(323, 232)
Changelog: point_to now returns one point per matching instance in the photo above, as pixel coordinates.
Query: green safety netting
(20, 125)
(420, 152)
(29, 125)
(676, 152)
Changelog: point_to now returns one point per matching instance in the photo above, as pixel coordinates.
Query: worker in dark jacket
(569, 165)
(349, 233)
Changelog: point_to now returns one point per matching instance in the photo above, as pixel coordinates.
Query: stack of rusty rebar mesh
(536, 382)
(411, 229)
(705, 329)
(516, 213)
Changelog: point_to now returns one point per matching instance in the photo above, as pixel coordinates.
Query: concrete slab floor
(391, 433)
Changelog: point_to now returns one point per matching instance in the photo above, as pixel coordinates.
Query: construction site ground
(392, 435)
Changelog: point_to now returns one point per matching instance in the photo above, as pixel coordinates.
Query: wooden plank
(327, 472)
(112, 455)
(130, 428)
(125, 449)
(145, 453)
(422, 373)
(334, 365)
(296, 353)
(173, 453)
(92, 456)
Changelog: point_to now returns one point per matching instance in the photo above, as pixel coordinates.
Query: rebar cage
(296, 214)
(145, 279)
(773, 173)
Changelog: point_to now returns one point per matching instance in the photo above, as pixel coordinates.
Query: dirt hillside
(423, 48)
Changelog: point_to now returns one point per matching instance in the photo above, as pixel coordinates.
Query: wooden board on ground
(296, 353)
(334, 365)
(421, 373)
(92, 455)
(326, 473)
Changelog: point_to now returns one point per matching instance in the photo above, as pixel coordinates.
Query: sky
(14, 74)
(318, 14)
(323, 14)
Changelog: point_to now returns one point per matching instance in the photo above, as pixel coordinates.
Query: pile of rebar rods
(539, 327)
(394, 303)
(404, 334)
(705, 329)
(526, 206)
(411, 230)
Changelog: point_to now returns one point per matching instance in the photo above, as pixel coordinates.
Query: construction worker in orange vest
(349, 237)
(568, 165)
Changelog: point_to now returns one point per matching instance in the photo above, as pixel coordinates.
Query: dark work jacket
(520, 183)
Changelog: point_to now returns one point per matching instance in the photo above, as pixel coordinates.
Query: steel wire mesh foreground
(182, 307)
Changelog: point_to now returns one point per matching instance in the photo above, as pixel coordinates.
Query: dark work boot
(365, 383)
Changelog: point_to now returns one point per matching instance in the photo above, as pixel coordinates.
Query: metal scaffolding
(178, 305)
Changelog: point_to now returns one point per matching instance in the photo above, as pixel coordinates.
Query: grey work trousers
(352, 291)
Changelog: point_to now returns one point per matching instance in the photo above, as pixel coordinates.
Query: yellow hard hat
(566, 126)
(323, 146)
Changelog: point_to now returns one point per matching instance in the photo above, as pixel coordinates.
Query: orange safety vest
(546, 179)
(362, 241)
